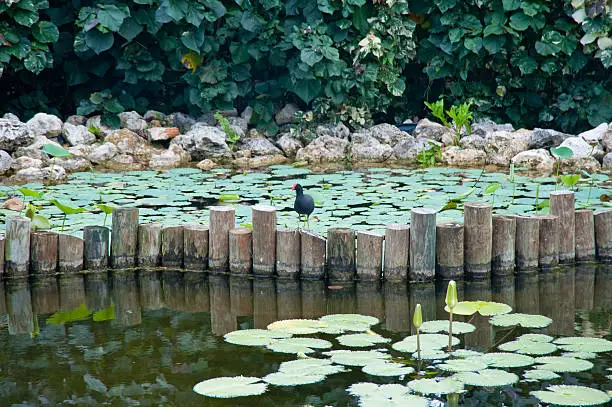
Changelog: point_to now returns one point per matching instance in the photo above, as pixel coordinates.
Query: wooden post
(312, 256)
(369, 256)
(422, 244)
(449, 250)
(503, 245)
(124, 237)
(17, 246)
(222, 219)
(264, 239)
(70, 254)
(43, 252)
(287, 253)
(562, 206)
(549, 241)
(149, 244)
(478, 232)
(95, 247)
(195, 247)
(172, 246)
(397, 252)
(1, 255)
(603, 234)
(527, 243)
(340, 254)
(585, 235)
(240, 250)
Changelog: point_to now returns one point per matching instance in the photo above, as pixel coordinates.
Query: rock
(124, 162)
(154, 115)
(204, 142)
(384, 133)
(14, 134)
(289, 144)
(339, 130)
(606, 140)
(582, 149)
(206, 165)
(475, 142)
(545, 138)
(76, 120)
(242, 154)
(408, 149)
(259, 146)
(486, 126)
(448, 139)
(183, 121)
(323, 149)
(286, 114)
(6, 162)
(77, 135)
(368, 148)
(502, 146)
(130, 143)
(247, 114)
(539, 160)
(54, 173)
(133, 122)
(594, 135)
(606, 163)
(173, 157)
(260, 161)
(43, 124)
(434, 131)
(28, 174)
(457, 157)
(34, 150)
(577, 165)
(96, 127)
(10, 116)
(26, 162)
(13, 204)
(103, 152)
(72, 164)
(82, 151)
(239, 123)
(162, 133)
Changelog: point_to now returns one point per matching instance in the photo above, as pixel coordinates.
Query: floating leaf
(528, 347)
(462, 365)
(298, 345)
(581, 344)
(228, 387)
(524, 320)
(374, 395)
(540, 374)
(428, 342)
(487, 378)
(312, 366)
(566, 395)
(67, 209)
(443, 326)
(298, 326)
(465, 353)
(254, 337)
(229, 197)
(76, 314)
(356, 357)
(437, 386)
(486, 308)
(30, 192)
(535, 338)
(504, 360)
(107, 209)
(293, 378)
(339, 323)
(580, 355)
(563, 364)
(431, 354)
(361, 340)
(387, 368)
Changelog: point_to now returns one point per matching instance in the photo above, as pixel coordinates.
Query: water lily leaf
(486, 308)
(40, 222)
(528, 347)
(107, 209)
(540, 374)
(312, 366)
(229, 197)
(567, 395)
(298, 345)
(67, 209)
(76, 314)
(562, 364)
(30, 192)
(535, 338)
(582, 344)
(466, 353)
(428, 342)
(524, 320)
(387, 368)
(437, 386)
(580, 355)
(443, 326)
(228, 387)
(504, 360)
(487, 378)
(431, 354)
(293, 378)
(562, 152)
(361, 340)
(462, 365)
(254, 337)
(55, 151)
(356, 357)
(374, 395)
(298, 326)
(339, 323)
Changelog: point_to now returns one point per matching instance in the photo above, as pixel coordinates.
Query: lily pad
(228, 387)
(486, 308)
(462, 365)
(298, 345)
(387, 368)
(466, 353)
(540, 374)
(580, 355)
(254, 337)
(582, 344)
(361, 340)
(374, 395)
(339, 323)
(431, 354)
(436, 326)
(566, 395)
(437, 386)
(298, 326)
(292, 378)
(487, 378)
(562, 364)
(528, 347)
(356, 357)
(428, 342)
(524, 320)
(312, 366)
(504, 360)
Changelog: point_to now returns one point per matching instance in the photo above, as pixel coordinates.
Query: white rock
(162, 133)
(103, 152)
(458, 157)
(286, 114)
(173, 157)
(30, 173)
(54, 173)
(473, 141)
(14, 134)
(259, 146)
(289, 144)
(43, 124)
(94, 125)
(538, 160)
(606, 141)
(502, 146)
(133, 122)
(323, 149)
(6, 161)
(407, 150)
(128, 142)
(77, 135)
(606, 163)
(339, 130)
(204, 142)
(434, 131)
(583, 149)
(368, 148)
(594, 135)
(384, 133)
(26, 162)
(71, 164)
(206, 164)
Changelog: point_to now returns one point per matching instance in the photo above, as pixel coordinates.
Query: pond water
(146, 338)
(368, 198)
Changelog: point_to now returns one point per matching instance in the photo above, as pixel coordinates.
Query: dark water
(165, 336)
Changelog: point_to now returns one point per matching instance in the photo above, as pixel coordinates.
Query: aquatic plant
(451, 303)
(228, 387)
(417, 321)
(460, 116)
(107, 209)
(560, 153)
(54, 151)
(231, 137)
(66, 210)
(570, 395)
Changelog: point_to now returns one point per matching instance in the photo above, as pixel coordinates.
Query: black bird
(304, 204)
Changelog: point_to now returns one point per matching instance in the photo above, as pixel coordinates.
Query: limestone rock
(26, 162)
(11, 117)
(408, 149)
(206, 165)
(339, 130)
(54, 173)
(289, 144)
(77, 135)
(76, 120)
(260, 161)
(204, 142)
(434, 131)
(14, 134)
(133, 122)
(323, 149)
(473, 141)
(100, 130)
(286, 114)
(259, 146)
(6, 162)
(247, 114)
(34, 149)
(130, 143)
(606, 140)
(369, 148)
(239, 123)
(595, 135)
(43, 124)
(183, 121)
(71, 164)
(545, 138)
(173, 157)
(103, 152)
(484, 127)
(384, 133)
(606, 163)
(29, 174)
(458, 157)
(502, 146)
(577, 165)
(539, 160)
(162, 133)
(583, 149)
(82, 151)
(154, 115)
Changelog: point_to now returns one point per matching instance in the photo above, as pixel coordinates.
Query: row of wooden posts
(484, 244)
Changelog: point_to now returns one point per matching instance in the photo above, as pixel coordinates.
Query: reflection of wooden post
(197, 293)
(17, 246)
(149, 244)
(222, 219)
(124, 237)
(342, 299)
(241, 296)
(397, 252)
(97, 295)
(240, 249)
(288, 299)
(172, 246)
(314, 298)
(502, 288)
(369, 256)
(70, 254)
(43, 252)
(548, 241)
(19, 306)
(287, 253)
(124, 293)
(585, 286)
(264, 239)
(1, 255)
(341, 254)
(527, 293)
(422, 244)
(478, 229)
(396, 299)
(312, 256)
(264, 302)
(585, 235)
(95, 247)
(603, 234)
(562, 206)
(449, 250)
(527, 243)
(45, 294)
(150, 290)
(424, 294)
(503, 245)
(195, 251)
(370, 300)
(221, 319)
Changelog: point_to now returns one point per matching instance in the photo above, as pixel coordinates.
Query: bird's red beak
(293, 187)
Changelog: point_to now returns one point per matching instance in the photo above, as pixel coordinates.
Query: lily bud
(451, 295)
(418, 317)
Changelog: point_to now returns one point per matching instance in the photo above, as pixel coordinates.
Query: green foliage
(460, 115)
(427, 158)
(231, 136)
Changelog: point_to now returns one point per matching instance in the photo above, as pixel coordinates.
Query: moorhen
(304, 204)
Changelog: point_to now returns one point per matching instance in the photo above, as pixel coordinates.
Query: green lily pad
(528, 347)
(436, 326)
(356, 357)
(486, 308)
(566, 395)
(540, 374)
(487, 378)
(254, 337)
(462, 365)
(298, 345)
(298, 326)
(504, 360)
(466, 353)
(229, 387)
(524, 320)
(387, 368)
(437, 386)
(340, 323)
(580, 355)
(293, 378)
(582, 344)
(431, 354)
(374, 395)
(312, 366)
(361, 340)
(428, 342)
(562, 364)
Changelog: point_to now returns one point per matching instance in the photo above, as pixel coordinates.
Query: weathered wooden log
(124, 237)
(264, 239)
(449, 250)
(312, 256)
(172, 246)
(527, 243)
(195, 251)
(478, 233)
(1, 255)
(240, 250)
(397, 252)
(19, 305)
(149, 244)
(43, 252)
(95, 247)
(17, 246)
(287, 253)
(503, 245)
(603, 234)
(585, 235)
(341, 254)
(422, 244)
(222, 219)
(70, 254)
(369, 256)
(562, 206)
(548, 241)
